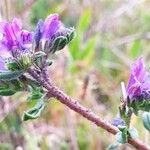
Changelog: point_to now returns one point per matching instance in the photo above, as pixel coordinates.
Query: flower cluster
(22, 51)
(13, 42)
(18, 46)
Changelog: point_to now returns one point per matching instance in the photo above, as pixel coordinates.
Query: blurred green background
(110, 35)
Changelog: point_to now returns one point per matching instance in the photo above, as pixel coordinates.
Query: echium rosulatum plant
(136, 100)
(24, 59)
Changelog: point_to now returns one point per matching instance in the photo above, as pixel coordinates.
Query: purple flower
(51, 35)
(139, 82)
(51, 25)
(13, 37)
(118, 121)
(14, 42)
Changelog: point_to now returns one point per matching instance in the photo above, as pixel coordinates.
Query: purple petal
(38, 33)
(51, 25)
(2, 26)
(139, 69)
(139, 80)
(16, 25)
(134, 90)
(4, 52)
(25, 39)
(13, 36)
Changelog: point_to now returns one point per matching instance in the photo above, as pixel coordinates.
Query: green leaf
(8, 75)
(8, 88)
(17, 85)
(74, 47)
(146, 120)
(7, 92)
(84, 20)
(36, 94)
(121, 137)
(135, 49)
(133, 133)
(88, 51)
(34, 112)
(114, 146)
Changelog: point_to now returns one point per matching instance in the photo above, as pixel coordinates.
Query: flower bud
(138, 89)
(118, 122)
(37, 35)
(51, 35)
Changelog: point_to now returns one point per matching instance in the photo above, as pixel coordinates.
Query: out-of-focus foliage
(84, 46)
(110, 35)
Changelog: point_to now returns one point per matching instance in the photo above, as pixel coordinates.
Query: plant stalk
(53, 91)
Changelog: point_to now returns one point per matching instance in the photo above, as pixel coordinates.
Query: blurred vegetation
(110, 35)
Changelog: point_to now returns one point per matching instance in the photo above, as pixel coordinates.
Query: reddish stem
(74, 105)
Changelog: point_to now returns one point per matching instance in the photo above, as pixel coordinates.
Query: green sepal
(58, 44)
(70, 35)
(62, 43)
(146, 120)
(39, 54)
(39, 58)
(25, 61)
(143, 105)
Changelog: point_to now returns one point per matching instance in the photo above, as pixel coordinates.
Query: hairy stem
(53, 91)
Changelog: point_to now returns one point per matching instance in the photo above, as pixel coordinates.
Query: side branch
(53, 91)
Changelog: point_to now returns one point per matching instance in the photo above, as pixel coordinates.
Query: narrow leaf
(146, 120)
(34, 112)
